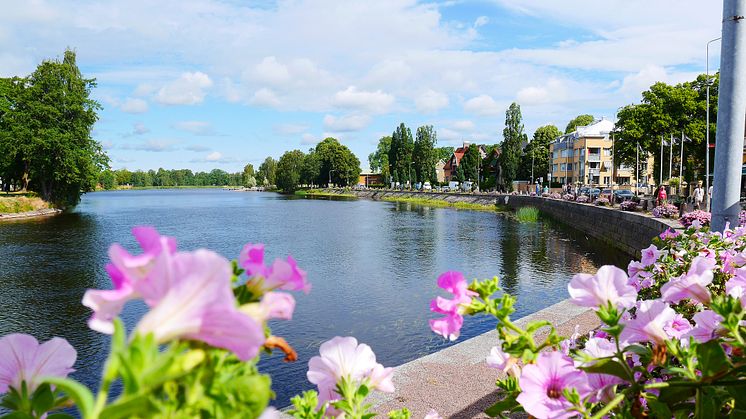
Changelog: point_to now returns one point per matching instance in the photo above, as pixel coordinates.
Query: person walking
(662, 196)
(699, 196)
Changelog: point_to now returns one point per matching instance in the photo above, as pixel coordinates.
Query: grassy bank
(13, 204)
(142, 188)
(441, 204)
(320, 193)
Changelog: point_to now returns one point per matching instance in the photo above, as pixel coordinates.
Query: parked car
(426, 186)
(445, 189)
(623, 194)
(592, 193)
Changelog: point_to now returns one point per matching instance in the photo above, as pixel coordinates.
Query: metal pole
(637, 166)
(730, 122)
(681, 160)
(707, 142)
(661, 177)
(670, 158)
(532, 165)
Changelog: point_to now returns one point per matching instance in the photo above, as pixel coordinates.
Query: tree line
(46, 120)
(329, 163)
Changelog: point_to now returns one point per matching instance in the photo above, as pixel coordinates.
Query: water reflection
(373, 266)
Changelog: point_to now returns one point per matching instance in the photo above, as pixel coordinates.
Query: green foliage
(444, 153)
(107, 179)
(46, 121)
(267, 174)
(311, 172)
(513, 137)
(538, 152)
(337, 163)
(424, 155)
(578, 121)
(247, 177)
(527, 214)
(379, 160)
(289, 169)
(400, 153)
(469, 165)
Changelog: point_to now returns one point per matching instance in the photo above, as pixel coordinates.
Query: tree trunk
(25, 178)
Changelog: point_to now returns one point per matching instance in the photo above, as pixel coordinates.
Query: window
(594, 165)
(607, 152)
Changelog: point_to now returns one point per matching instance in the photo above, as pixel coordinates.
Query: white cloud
(431, 101)
(346, 123)
(481, 21)
(483, 105)
(352, 98)
(553, 91)
(265, 97)
(214, 156)
(271, 72)
(307, 138)
(197, 148)
(195, 127)
(289, 129)
(139, 128)
(134, 105)
(464, 125)
(153, 145)
(188, 89)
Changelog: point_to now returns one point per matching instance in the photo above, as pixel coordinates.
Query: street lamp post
(707, 135)
(329, 184)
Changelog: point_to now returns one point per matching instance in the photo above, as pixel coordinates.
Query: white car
(426, 186)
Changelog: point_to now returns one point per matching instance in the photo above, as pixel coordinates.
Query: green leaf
(673, 395)
(17, 415)
(60, 416)
(42, 400)
(608, 366)
(534, 326)
(508, 403)
(129, 407)
(739, 395)
(711, 358)
(78, 392)
(659, 409)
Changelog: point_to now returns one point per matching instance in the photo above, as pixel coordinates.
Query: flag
(687, 139)
(665, 143)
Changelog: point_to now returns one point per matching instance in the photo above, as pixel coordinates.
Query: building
(449, 170)
(585, 157)
(440, 173)
(370, 179)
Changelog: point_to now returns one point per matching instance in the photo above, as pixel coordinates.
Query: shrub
(665, 211)
(545, 194)
(555, 195)
(628, 206)
(582, 198)
(703, 217)
(527, 214)
(602, 202)
(568, 197)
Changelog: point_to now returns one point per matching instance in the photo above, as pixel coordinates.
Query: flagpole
(637, 167)
(670, 159)
(681, 159)
(661, 180)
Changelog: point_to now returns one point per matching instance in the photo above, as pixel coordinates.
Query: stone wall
(629, 232)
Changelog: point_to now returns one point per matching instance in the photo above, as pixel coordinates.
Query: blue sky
(202, 84)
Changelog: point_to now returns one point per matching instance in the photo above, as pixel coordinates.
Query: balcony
(594, 172)
(594, 157)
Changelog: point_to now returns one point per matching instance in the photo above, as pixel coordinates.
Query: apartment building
(584, 157)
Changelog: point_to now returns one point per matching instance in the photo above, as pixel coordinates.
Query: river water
(373, 266)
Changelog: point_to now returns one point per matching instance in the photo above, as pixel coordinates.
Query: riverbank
(323, 193)
(29, 214)
(442, 203)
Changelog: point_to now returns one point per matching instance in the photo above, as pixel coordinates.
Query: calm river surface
(373, 266)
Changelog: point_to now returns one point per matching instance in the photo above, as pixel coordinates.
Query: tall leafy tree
(400, 153)
(379, 160)
(444, 153)
(289, 169)
(513, 137)
(537, 152)
(579, 121)
(424, 154)
(267, 174)
(47, 131)
(338, 163)
(470, 163)
(311, 168)
(247, 177)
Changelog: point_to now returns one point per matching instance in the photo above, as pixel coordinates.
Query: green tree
(248, 174)
(400, 153)
(47, 131)
(537, 152)
(379, 160)
(579, 121)
(267, 174)
(311, 168)
(338, 163)
(513, 137)
(470, 163)
(444, 153)
(424, 154)
(124, 177)
(107, 179)
(289, 169)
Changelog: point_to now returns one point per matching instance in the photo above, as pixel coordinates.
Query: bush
(582, 198)
(602, 202)
(702, 217)
(628, 206)
(568, 197)
(545, 194)
(527, 214)
(665, 211)
(555, 195)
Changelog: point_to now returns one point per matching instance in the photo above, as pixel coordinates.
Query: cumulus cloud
(464, 125)
(138, 128)
(197, 148)
(307, 139)
(195, 127)
(483, 105)
(553, 91)
(431, 101)
(188, 89)
(265, 97)
(214, 156)
(352, 98)
(152, 145)
(346, 123)
(134, 105)
(289, 129)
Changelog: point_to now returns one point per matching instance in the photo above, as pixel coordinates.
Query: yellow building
(585, 156)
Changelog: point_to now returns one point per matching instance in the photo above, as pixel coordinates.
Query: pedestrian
(699, 196)
(662, 196)
(709, 198)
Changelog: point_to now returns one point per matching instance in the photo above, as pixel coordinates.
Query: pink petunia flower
(707, 326)
(669, 234)
(602, 384)
(285, 275)
(144, 275)
(502, 361)
(433, 414)
(692, 285)
(609, 284)
(199, 305)
(274, 305)
(679, 327)
(650, 255)
(542, 385)
(22, 359)
(450, 325)
(653, 317)
(342, 357)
